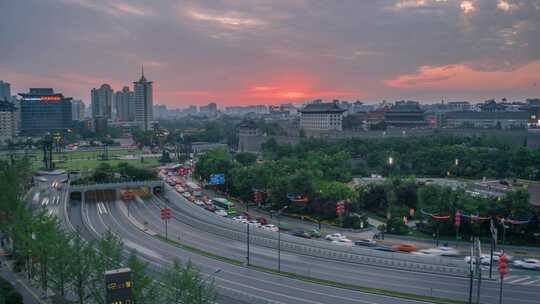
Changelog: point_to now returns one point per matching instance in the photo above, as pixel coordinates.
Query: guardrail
(104, 186)
(228, 229)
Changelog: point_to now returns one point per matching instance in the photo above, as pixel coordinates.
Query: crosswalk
(527, 280)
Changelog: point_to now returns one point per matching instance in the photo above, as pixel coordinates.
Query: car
(498, 254)
(432, 252)
(246, 215)
(210, 208)
(302, 234)
(448, 251)
(343, 242)
(221, 212)
(384, 248)
(366, 242)
(315, 233)
(484, 260)
(254, 223)
(186, 194)
(262, 220)
(405, 247)
(531, 264)
(270, 227)
(239, 218)
(334, 237)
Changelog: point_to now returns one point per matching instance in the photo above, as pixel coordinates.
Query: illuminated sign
(118, 284)
(50, 98)
(43, 98)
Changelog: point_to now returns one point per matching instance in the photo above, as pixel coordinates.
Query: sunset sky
(237, 52)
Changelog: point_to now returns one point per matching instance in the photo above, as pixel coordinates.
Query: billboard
(118, 284)
(217, 179)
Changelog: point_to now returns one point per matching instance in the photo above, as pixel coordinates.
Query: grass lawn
(86, 165)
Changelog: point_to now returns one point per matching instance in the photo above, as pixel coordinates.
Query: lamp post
(247, 242)
(204, 283)
(279, 236)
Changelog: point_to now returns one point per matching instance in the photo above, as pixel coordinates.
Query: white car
(343, 242)
(221, 212)
(498, 254)
(271, 227)
(199, 203)
(433, 252)
(335, 237)
(239, 218)
(254, 223)
(532, 264)
(484, 260)
(448, 251)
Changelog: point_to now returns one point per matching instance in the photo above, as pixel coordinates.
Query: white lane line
(531, 282)
(520, 280)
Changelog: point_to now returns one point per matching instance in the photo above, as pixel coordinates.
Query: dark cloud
(220, 49)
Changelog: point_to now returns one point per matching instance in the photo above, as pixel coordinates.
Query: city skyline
(241, 53)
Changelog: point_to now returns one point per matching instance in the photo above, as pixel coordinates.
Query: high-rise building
(43, 110)
(77, 109)
(102, 101)
(8, 125)
(143, 102)
(209, 110)
(160, 111)
(125, 104)
(5, 91)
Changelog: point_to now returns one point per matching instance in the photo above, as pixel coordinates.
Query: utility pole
(279, 236)
(479, 271)
(247, 257)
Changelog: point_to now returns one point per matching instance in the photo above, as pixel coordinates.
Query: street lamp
(203, 282)
(279, 235)
(390, 160)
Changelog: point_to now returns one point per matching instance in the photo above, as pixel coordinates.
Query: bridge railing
(89, 187)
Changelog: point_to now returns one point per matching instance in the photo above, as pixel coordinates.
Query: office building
(322, 117)
(125, 104)
(209, 110)
(160, 112)
(102, 102)
(5, 91)
(77, 109)
(43, 110)
(8, 124)
(143, 102)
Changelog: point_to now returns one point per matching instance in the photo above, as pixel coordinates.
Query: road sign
(165, 213)
(503, 266)
(118, 284)
(217, 179)
(457, 219)
(340, 208)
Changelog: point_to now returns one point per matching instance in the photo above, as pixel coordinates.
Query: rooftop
(331, 107)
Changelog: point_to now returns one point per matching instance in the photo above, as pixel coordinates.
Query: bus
(226, 205)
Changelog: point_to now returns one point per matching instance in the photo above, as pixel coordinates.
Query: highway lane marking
(247, 277)
(531, 282)
(455, 283)
(519, 280)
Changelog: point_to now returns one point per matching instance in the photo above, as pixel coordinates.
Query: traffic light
(457, 219)
(503, 266)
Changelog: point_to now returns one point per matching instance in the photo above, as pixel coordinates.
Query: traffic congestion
(192, 191)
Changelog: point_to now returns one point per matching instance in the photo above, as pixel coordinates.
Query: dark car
(302, 234)
(384, 248)
(210, 208)
(366, 242)
(246, 215)
(262, 220)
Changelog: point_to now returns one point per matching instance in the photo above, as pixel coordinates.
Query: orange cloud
(460, 76)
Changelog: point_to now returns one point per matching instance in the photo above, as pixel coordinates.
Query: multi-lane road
(237, 283)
